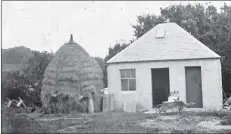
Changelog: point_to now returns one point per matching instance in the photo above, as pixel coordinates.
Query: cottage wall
(142, 97)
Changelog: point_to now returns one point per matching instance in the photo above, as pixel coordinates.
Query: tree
(145, 23)
(102, 65)
(112, 51)
(33, 69)
(100, 62)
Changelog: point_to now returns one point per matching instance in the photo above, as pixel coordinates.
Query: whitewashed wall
(210, 74)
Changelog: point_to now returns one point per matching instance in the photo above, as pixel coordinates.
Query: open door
(160, 85)
(193, 86)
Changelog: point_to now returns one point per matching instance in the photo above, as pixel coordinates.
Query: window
(160, 33)
(128, 79)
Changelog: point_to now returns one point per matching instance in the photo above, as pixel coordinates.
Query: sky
(95, 25)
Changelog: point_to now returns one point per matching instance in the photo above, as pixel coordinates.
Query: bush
(18, 83)
(14, 86)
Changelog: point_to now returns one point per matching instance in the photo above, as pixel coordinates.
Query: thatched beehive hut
(68, 73)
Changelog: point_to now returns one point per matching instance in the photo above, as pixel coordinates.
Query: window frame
(128, 78)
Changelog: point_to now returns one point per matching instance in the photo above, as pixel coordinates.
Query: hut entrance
(193, 86)
(160, 85)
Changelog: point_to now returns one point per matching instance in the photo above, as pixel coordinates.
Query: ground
(117, 122)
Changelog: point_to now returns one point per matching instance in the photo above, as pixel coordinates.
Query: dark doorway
(193, 86)
(160, 85)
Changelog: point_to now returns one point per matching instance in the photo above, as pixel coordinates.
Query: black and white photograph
(115, 66)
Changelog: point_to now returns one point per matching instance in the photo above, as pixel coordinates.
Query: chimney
(167, 21)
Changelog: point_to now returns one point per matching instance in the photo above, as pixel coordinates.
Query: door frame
(201, 83)
(152, 81)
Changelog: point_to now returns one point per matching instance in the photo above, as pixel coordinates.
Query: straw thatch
(68, 73)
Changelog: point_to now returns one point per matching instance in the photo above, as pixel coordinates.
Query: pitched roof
(176, 44)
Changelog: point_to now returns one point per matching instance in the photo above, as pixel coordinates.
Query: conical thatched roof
(70, 71)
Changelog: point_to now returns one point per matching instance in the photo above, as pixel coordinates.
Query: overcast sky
(45, 26)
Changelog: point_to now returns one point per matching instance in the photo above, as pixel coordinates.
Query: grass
(190, 131)
(19, 123)
(113, 122)
(226, 122)
(116, 123)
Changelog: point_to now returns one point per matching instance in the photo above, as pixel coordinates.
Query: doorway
(160, 85)
(193, 86)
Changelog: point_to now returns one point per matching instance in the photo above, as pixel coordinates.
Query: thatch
(69, 72)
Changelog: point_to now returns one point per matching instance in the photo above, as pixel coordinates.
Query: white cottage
(165, 59)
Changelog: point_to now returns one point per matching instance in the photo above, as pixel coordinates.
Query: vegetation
(112, 51)
(102, 65)
(16, 121)
(26, 82)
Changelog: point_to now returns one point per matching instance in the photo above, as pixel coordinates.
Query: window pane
(133, 73)
(127, 73)
(124, 84)
(132, 84)
(122, 73)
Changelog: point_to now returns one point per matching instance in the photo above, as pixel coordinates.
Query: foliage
(26, 83)
(102, 65)
(112, 51)
(34, 68)
(12, 85)
(145, 23)
(100, 62)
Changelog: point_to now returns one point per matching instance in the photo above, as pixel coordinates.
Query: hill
(12, 57)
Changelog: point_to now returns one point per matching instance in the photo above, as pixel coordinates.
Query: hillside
(12, 57)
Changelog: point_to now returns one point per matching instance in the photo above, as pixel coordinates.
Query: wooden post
(90, 103)
(105, 103)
